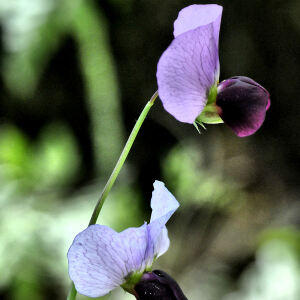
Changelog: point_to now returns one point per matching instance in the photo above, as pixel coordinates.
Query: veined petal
(190, 66)
(135, 244)
(100, 258)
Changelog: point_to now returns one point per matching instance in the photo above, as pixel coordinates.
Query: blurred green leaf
(55, 160)
(287, 235)
(15, 152)
(51, 161)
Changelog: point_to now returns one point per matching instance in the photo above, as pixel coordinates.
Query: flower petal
(190, 66)
(163, 205)
(100, 258)
(162, 243)
(162, 201)
(243, 104)
(135, 244)
(194, 16)
(158, 285)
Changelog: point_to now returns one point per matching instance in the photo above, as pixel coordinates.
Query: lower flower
(101, 259)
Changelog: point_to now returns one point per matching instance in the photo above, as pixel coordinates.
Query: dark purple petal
(158, 285)
(243, 104)
(190, 66)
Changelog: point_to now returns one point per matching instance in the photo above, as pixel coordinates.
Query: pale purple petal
(135, 244)
(190, 66)
(162, 201)
(162, 243)
(163, 205)
(194, 16)
(100, 258)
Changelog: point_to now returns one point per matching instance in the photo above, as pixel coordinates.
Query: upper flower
(189, 67)
(188, 77)
(101, 259)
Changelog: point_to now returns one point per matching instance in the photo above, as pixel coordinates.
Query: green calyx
(131, 282)
(209, 114)
(212, 95)
(133, 279)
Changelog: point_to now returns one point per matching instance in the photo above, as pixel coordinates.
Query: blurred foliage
(62, 119)
(37, 230)
(90, 31)
(34, 31)
(276, 271)
(38, 165)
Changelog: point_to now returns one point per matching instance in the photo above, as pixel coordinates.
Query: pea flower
(101, 259)
(188, 77)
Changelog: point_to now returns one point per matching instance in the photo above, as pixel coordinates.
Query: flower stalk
(115, 173)
(121, 160)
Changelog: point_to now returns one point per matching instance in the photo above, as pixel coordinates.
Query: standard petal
(162, 201)
(187, 70)
(162, 243)
(158, 240)
(194, 16)
(163, 205)
(100, 258)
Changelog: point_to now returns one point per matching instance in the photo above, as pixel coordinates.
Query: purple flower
(101, 259)
(188, 76)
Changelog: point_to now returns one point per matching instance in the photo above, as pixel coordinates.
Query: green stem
(116, 171)
(122, 159)
(72, 293)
